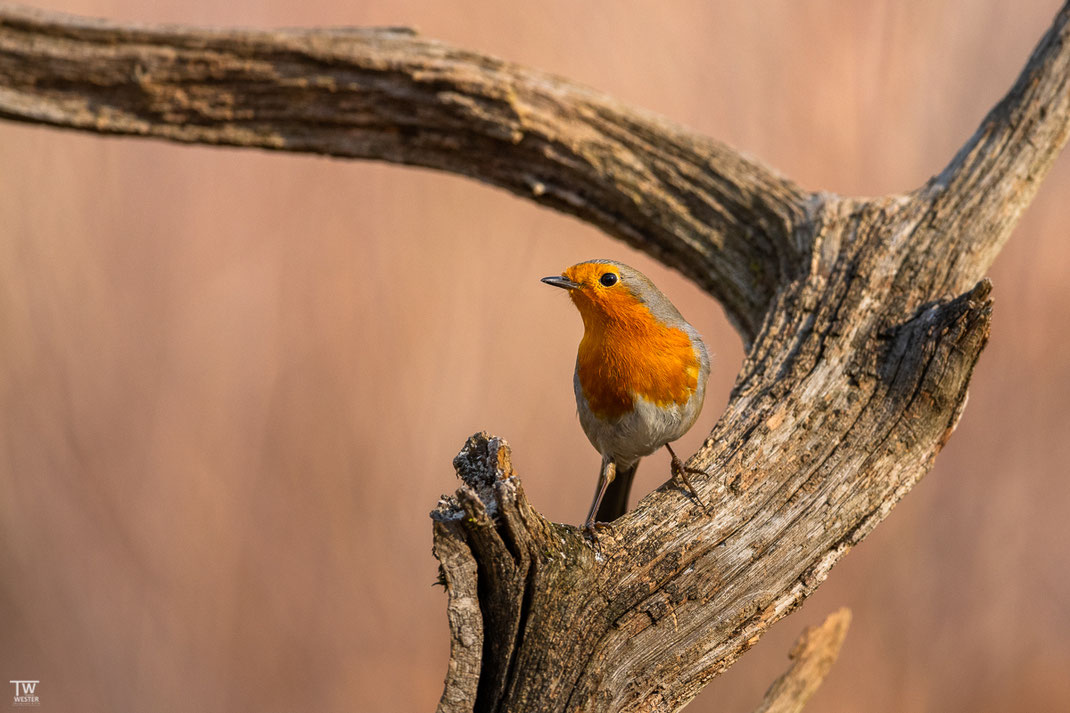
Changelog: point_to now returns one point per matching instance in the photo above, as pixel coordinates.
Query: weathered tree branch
(864, 319)
(812, 657)
(720, 218)
(996, 174)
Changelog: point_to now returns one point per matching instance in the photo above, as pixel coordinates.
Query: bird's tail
(615, 502)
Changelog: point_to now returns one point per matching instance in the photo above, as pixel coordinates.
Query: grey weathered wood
(723, 220)
(863, 317)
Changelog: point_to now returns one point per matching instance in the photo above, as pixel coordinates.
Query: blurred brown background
(231, 383)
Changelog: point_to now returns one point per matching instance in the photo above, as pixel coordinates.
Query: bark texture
(723, 220)
(863, 319)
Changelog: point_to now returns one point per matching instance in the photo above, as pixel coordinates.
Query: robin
(640, 376)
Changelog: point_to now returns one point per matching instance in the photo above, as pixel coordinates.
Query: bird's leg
(680, 471)
(605, 477)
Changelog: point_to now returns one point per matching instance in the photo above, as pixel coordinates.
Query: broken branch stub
(811, 658)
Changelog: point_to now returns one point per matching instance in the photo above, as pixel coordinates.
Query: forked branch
(863, 318)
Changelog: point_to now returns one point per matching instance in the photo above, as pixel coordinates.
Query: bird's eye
(608, 279)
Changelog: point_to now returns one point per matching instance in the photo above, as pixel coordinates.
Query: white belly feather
(641, 431)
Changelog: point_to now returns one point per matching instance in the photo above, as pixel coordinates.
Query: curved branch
(695, 204)
(994, 177)
(853, 385)
(856, 377)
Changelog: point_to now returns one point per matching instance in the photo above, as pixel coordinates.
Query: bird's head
(607, 291)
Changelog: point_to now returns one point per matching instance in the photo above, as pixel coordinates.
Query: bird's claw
(679, 473)
(590, 530)
(591, 526)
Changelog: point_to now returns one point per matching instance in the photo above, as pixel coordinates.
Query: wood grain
(863, 318)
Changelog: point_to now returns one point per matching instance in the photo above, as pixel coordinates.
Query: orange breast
(626, 351)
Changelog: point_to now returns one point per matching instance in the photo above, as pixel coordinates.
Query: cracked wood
(723, 220)
(863, 320)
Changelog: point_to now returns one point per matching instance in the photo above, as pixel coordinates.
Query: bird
(640, 378)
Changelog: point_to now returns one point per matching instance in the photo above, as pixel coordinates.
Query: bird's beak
(558, 281)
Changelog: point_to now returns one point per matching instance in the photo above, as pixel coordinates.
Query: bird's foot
(679, 474)
(590, 527)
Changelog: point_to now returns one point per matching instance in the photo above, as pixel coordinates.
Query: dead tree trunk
(863, 320)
